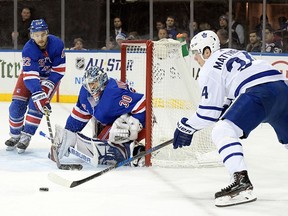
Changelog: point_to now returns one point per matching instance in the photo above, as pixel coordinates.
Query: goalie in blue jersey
(255, 93)
(116, 106)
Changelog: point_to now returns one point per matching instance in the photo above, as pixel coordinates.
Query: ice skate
(11, 143)
(240, 191)
(23, 142)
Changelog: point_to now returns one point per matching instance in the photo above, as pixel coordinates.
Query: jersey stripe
(254, 77)
(80, 115)
(140, 106)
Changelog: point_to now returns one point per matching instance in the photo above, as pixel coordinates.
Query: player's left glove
(48, 87)
(124, 129)
(183, 134)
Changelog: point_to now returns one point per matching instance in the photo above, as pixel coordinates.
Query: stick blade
(59, 180)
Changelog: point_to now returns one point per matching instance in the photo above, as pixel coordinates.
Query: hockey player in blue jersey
(110, 102)
(255, 93)
(43, 67)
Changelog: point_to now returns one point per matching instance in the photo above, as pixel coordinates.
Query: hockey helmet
(95, 80)
(204, 39)
(38, 25)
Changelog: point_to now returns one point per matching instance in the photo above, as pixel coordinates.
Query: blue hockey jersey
(43, 64)
(116, 99)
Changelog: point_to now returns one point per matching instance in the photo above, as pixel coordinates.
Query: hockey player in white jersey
(255, 93)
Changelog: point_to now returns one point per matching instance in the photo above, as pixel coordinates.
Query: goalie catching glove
(124, 129)
(183, 134)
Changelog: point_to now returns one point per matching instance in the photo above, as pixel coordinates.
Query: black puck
(44, 189)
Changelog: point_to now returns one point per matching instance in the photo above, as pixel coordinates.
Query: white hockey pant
(226, 135)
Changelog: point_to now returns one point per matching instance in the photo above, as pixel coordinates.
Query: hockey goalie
(116, 106)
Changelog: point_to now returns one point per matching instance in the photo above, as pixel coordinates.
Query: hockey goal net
(158, 69)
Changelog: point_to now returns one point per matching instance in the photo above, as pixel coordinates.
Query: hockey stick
(75, 152)
(70, 184)
(54, 151)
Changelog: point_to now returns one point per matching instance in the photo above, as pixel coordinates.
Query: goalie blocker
(101, 152)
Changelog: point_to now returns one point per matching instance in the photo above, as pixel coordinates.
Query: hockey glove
(183, 134)
(124, 129)
(48, 87)
(41, 101)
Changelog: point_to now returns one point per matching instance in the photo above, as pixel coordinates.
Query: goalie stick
(74, 151)
(70, 184)
(53, 148)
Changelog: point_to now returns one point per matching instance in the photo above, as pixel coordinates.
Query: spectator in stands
(22, 35)
(283, 31)
(119, 39)
(110, 44)
(133, 36)
(78, 44)
(273, 43)
(158, 25)
(223, 23)
(255, 44)
(118, 28)
(283, 23)
(259, 26)
(171, 27)
(224, 39)
(194, 26)
(204, 26)
(238, 28)
(162, 33)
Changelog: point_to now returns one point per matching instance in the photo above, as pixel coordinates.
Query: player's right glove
(183, 134)
(41, 101)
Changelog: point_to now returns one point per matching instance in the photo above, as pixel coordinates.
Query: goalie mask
(203, 40)
(95, 81)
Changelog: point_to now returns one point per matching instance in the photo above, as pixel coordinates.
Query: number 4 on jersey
(205, 92)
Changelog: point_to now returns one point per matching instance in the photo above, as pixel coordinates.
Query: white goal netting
(175, 94)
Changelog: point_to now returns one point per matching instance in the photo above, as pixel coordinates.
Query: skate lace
(230, 186)
(233, 184)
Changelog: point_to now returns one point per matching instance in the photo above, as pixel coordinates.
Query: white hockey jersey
(226, 74)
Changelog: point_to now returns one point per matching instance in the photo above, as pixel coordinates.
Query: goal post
(146, 47)
(158, 69)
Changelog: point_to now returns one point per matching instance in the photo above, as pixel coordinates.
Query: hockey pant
(22, 103)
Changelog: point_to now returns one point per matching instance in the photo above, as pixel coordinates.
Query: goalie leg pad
(112, 153)
(103, 152)
(63, 140)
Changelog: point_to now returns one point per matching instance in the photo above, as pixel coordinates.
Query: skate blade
(243, 197)
(20, 151)
(10, 148)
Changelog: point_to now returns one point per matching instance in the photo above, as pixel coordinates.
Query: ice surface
(149, 191)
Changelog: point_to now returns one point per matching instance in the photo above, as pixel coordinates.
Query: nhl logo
(80, 63)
